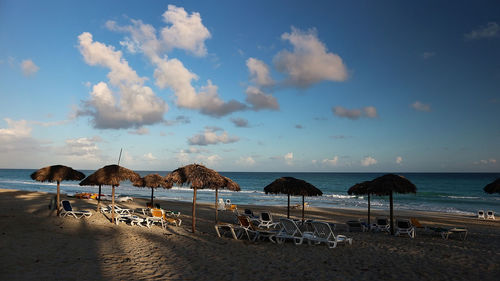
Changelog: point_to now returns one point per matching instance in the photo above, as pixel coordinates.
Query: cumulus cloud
(491, 30)
(133, 105)
(288, 158)
(354, 114)
(15, 129)
(246, 161)
(140, 131)
(309, 62)
(149, 156)
(29, 68)
(82, 147)
(240, 122)
(419, 106)
(490, 161)
(260, 100)
(399, 160)
(259, 72)
(331, 162)
(185, 31)
(209, 136)
(368, 161)
(181, 119)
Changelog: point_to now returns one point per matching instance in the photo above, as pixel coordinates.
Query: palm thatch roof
(201, 177)
(390, 183)
(57, 173)
(152, 181)
(292, 186)
(110, 175)
(359, 189)
(493, 187)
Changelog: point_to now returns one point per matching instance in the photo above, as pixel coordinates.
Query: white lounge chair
(290, 230)
(382, 224)
(67, 210)
(121, 211)
(323, 233)
(221, 206)
(480, 214)
(405, 227)
(265, 220)
(490, 215)
(155, 218)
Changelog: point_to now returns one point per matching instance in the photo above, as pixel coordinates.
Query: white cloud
(368, 161)
(399, 160)
(310, 62)
(209, 136)
(288, 158)
(492, 29)
(331, 162)
(185, 32)
(140, 131)
(29, 68)
(246, 161)
(240, 122)
(367, 111)
(133, 105)
(149, 156)
(260, 100)
(427, 55)
(259, 72)
(15, 129)
(82, 148)
(490, 161)
(181, 119)
(421, 106)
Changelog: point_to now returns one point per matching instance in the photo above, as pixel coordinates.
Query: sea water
(460, 193)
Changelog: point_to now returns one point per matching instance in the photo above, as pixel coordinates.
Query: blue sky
(333, 86)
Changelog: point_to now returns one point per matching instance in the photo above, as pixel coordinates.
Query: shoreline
(48, 247)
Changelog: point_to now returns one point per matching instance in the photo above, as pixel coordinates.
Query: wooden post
(302, 209)
(113, 204)
(216, 204)
(58, 198)
(193, 226)
(288, 210)
(391, 214)
(99, 198)
(369, 225)
(152, 190)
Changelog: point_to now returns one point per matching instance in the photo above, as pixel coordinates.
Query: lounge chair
(132, 219)
(67, 210)
(121, 211)
(221, 206)
(405, 227)
(382, 224)
(480, 214)
(323, 233)
(266, 221)
(490, 215)
(290, 230)
(168, 219)
(353, 226)
(248, 228)
(155, 218)
(250, 214)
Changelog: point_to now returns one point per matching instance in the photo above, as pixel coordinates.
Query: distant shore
(36, 244)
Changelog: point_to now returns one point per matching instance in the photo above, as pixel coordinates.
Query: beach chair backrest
(403, 223)
(290, 227)
(322, 229)
(228, 201)
(157, 213)
(66, 206)
(244, 221)
(248, 212)
(265, 216)
(416, 223)
(489, 213)
(382, 221)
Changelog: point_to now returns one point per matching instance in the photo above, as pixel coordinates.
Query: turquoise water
(442, 192)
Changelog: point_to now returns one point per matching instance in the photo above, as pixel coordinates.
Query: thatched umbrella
(152, 181)
(57, 173)
(201, 177)
(292, 186)
(110, 175)
(361, 189)
(493, 187)
(387, 185)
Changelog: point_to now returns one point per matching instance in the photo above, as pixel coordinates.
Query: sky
(278, 86)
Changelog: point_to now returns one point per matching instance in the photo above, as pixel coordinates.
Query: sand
(37, 245)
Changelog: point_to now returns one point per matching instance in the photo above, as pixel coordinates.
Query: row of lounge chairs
(490, 215)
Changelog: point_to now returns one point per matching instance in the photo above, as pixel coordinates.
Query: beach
(36, 244)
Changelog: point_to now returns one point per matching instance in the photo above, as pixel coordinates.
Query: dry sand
(37, 245)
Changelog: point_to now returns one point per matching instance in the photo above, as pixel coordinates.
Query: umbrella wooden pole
(369, 225)
(391, 213)
(216, 204)
(193, 226)
(113, 204)
(302, 209)
(288, 210)
(58, 198)
(99, 198)
(152, 190)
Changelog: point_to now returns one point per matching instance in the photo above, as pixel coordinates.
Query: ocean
(460, 193)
